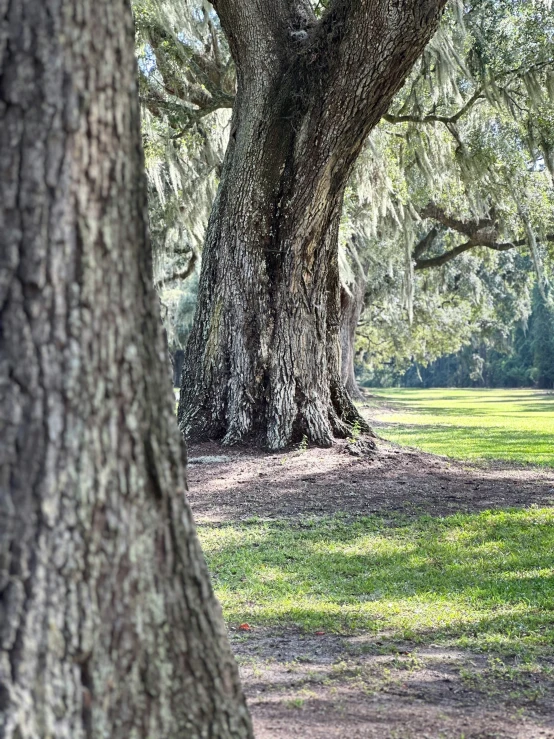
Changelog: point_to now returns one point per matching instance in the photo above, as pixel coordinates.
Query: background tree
(484, 81)
(507, 351)
(543, 340)
(263, 356)
(475, 299)
(109, 623)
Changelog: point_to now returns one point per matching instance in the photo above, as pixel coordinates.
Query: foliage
(477, 295)
(509, 354)
(514, 426)
(460, 165)
(471, 131)
(186, 85)
(481, 581)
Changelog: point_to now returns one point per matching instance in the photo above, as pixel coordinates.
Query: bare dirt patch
(305, 686)
(318, 482)
(330, 685)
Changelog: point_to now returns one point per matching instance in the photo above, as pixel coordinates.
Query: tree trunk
(177, 361)
(108, 624)
(263, 358)
(352, 305)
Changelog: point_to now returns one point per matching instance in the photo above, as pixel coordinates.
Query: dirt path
(305, 685)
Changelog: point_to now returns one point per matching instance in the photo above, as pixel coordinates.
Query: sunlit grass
(509, 425)
(484, 580)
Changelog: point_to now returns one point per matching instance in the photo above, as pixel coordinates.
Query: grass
(508, 425)
(484, 581)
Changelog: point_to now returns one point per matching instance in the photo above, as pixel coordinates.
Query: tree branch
(188, 84)
(433, 118)
(460, 249)
(477, 96)
(255, 30)
(481, 232)
(467, 228)
(358, 56)
(179, 274)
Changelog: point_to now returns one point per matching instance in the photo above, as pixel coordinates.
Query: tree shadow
(293, 485)
(484, 581)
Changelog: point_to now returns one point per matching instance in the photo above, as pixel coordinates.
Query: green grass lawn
(484, 581)
(509, 425)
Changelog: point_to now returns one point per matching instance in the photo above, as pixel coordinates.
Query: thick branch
(399, 31)
(433, 117)
(179, 274)
(359, 56)
(480, 232)
(255, 30)
(460, 249)
(468, 228)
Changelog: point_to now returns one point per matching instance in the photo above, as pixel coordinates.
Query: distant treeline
(526, 360)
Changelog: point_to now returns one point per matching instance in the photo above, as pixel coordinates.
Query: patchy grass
(508, 425)
(483, 581)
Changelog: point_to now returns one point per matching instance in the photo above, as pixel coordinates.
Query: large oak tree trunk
(263, 358)
(108, 623)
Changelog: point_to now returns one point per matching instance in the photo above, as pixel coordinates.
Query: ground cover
(510, 425)
(481, 580)
(396, 596)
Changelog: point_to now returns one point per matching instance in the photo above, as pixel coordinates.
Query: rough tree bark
(263, 359)
(108, 624)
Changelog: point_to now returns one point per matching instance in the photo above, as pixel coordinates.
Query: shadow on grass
(483, 581)
(483, 410)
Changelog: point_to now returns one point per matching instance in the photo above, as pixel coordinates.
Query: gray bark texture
(108, 623)
(263, 359)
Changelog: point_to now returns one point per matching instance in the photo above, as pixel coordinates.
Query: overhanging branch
(468, 228)
(451, 254)
(479, 95)
(482, 232)
(433, 117)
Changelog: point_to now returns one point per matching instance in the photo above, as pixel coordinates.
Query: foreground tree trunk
(108, 624)
(263, 359)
